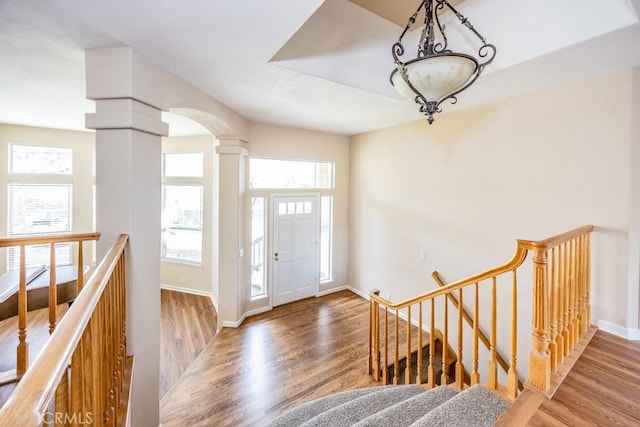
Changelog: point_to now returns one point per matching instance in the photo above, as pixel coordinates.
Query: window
(33, 159)
(326, 241)
(258, 288)
(39, 201)
(182, 199)
(272, 173)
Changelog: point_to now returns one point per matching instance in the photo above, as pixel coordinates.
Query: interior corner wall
(465, 188)
(281, 142)
(633, 302)
(186, 277)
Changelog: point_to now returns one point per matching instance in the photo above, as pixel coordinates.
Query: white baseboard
(192, 292)
(258, 311)
(331, 291)
(185, 290)
(358, 292)
(621, 331)
(236, 324)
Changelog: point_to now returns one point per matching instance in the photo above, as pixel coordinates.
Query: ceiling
(313, 64)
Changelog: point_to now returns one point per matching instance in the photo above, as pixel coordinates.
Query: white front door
(295, 248)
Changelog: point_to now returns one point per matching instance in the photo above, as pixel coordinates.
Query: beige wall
(199, 279)
(464, 189)
(83, 146)
(288, 143)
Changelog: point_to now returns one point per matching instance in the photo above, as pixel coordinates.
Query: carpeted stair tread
(474, 407)
(306, 411)
(358, 409)
(405, 413)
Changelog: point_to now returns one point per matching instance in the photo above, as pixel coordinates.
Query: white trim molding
(621, 331)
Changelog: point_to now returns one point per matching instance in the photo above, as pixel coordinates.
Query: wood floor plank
(603, 388)
(187, 324)
(273, 362)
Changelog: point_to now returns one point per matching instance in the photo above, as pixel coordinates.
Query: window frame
(187, 181)
(39, 179)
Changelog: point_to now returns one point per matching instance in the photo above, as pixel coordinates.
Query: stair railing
(560, 317)
(504, 365)
(82, 374)
(21, 288)
(561, 305)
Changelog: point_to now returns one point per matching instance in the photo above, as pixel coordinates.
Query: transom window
(276, 173)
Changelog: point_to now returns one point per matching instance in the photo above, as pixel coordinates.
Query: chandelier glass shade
(437, 73)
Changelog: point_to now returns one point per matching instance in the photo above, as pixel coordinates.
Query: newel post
(539, 360)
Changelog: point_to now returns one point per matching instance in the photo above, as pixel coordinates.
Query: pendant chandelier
(437, 73)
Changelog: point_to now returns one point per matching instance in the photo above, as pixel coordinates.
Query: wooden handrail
(469, 319)
(47, 239)
(556, 240)
(518, 258)
(55, 367)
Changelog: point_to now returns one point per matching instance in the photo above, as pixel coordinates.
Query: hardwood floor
(37, 336)
(308, 349)
(273, 362)
(187, 324)
(603, 388)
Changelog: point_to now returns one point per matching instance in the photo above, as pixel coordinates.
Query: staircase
(399, 406)
(424, 366)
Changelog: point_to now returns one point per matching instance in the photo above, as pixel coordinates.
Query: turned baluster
(431, 376)
(22, 355)
(566, 333)
(386, 346)
(587, 273)
(407, 377)
(459, 366)
(475, 375)
(444, 379)
(560, 317)
(492, 372)
(419, 367)
(512, 374)
(396, 348)
(53, 294)
(553, 327)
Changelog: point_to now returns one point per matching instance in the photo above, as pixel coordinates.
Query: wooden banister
(22, 358)
(79, 373)
(561, 316)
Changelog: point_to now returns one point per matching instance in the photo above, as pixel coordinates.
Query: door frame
(271, 226)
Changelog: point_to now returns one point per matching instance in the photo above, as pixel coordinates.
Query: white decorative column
(234, 261)
(128, 185)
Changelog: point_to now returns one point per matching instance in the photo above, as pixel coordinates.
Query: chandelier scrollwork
(437, 73)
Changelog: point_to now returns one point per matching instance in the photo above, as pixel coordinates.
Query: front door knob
(275, 256)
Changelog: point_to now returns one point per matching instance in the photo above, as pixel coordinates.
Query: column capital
(232, 145)
(127, 113)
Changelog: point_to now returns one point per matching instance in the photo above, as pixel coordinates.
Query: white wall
(289, 143)
(83, 146)
(464, 189)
